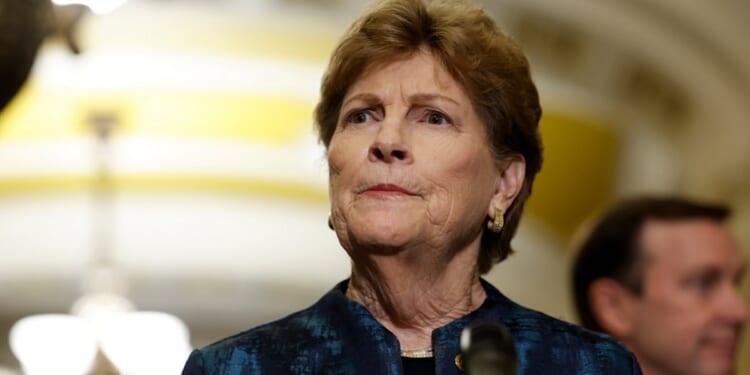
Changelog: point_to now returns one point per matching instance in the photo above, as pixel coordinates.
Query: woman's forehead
(416, 71)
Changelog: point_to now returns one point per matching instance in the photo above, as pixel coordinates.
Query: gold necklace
(419, 353)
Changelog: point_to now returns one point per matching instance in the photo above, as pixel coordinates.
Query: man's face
(688, 318)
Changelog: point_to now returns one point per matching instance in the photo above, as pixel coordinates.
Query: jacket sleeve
(194, 364)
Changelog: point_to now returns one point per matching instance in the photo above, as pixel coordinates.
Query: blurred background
(161, 155)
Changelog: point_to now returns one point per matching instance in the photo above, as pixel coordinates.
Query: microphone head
(487, 348)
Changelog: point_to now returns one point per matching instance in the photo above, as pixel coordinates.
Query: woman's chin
(386, 235)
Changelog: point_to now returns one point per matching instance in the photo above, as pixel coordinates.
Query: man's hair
(613, 246)
(491, 68)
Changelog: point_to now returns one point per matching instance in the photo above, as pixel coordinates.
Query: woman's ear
(509, 183)
(613, 307)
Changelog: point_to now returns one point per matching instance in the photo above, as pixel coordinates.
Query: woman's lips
(386, 190)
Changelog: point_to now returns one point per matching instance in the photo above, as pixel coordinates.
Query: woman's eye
(359, 117)
(437, 118)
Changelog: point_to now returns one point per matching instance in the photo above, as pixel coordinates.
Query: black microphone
(487, 348)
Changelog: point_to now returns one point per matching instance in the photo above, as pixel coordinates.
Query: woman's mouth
(383, 190)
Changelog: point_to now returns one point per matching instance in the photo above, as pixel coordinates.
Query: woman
(429, 116)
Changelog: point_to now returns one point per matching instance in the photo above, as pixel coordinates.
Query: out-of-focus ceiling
(221, 190)
(670, 77)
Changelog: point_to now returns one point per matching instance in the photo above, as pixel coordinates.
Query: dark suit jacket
(339, 336)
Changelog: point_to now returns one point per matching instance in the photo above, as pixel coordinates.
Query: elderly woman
(429, 116)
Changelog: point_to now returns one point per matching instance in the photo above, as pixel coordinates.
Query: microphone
(487, 348)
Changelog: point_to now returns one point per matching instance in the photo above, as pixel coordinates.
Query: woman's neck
(412, 295)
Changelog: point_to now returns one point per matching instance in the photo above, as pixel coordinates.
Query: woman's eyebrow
(415, 98)
(365, 97)
(420, 98)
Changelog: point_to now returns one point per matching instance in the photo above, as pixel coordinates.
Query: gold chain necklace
(419, 353)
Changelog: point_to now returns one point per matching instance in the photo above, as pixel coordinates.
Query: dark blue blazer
(339, 336)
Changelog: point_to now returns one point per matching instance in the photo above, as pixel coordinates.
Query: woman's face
(410, 163)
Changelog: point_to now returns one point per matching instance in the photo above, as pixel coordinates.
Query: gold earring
(330, 222)
(496, 225)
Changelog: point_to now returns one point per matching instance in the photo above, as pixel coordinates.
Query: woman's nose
(389, 152)
(389, 146)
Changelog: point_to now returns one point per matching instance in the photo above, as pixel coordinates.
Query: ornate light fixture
(104, 333)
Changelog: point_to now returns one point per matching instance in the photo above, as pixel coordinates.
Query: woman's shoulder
(303, 339)
(295, 330)
(260, 349)
(536, 327)
(542, 339)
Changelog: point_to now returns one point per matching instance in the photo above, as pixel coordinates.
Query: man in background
(662, 275)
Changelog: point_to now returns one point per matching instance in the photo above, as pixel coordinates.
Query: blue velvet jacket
(339, 336)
